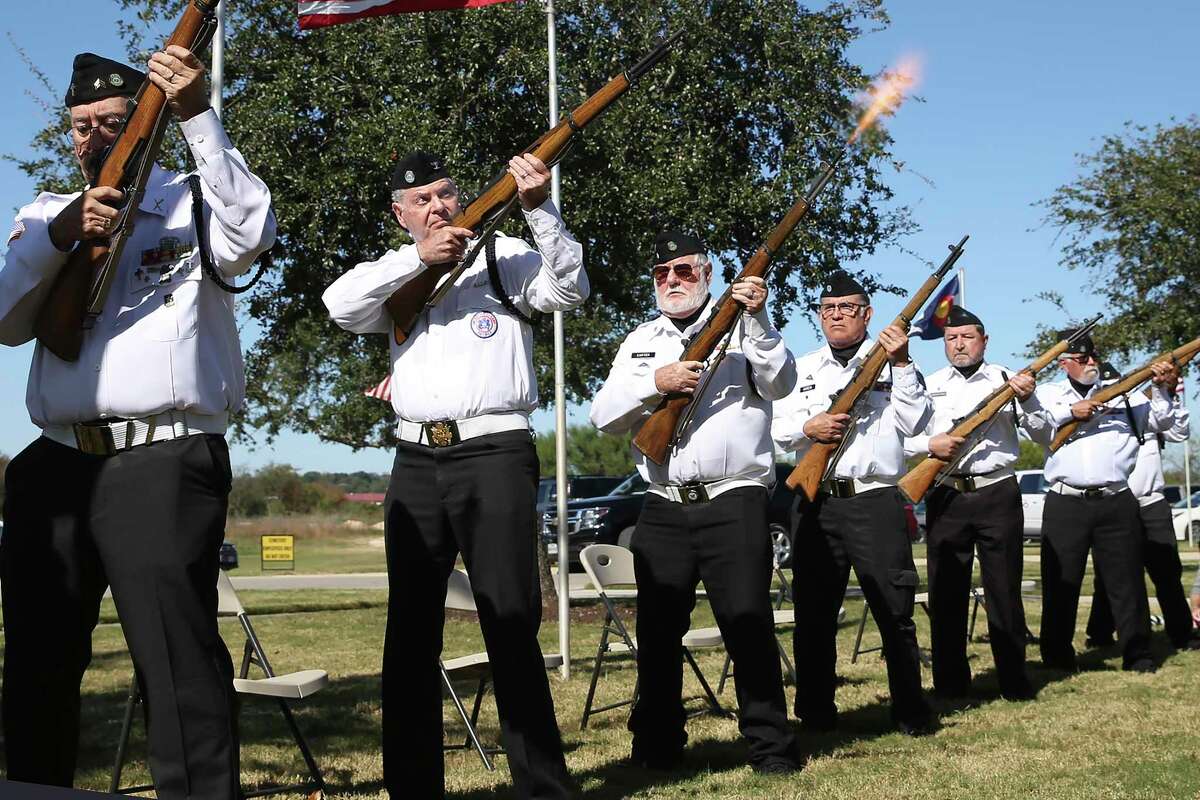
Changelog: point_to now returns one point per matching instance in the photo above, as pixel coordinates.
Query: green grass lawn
(1099, 734)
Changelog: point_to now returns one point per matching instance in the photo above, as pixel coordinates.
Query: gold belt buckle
(95, 439)
(442, 433)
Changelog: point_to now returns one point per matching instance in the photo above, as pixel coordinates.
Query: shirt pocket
(166, 299)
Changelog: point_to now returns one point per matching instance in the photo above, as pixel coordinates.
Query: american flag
(383, 391)
(320, 13)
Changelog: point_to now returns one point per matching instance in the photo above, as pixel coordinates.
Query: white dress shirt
(1103, 450)
(166, 337)
(1147, 480)
(898, 406)
(730, 435)
(954, 396)
(467, 356)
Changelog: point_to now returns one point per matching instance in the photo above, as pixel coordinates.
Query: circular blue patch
(484, 324)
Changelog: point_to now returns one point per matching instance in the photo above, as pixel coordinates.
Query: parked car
(578, 486)
(227, 556)
(1033, 497)
(611, 519)
(1187, 524)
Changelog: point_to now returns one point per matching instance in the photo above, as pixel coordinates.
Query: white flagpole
(1187, 479)
(560, 400)
(218, 60)
(962, 281)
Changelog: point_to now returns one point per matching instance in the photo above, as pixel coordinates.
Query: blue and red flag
(932, 324)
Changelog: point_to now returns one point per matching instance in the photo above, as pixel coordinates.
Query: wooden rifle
(674, 413)
(933, 470)
(487, 211)
(81, 287)
(821, 459)
(1179, 356)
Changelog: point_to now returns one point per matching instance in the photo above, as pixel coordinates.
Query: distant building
(371, 498)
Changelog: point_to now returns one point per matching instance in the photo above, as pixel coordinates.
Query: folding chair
(783, 617)
(609, 565)
(980, 599)
(475, 667)
(922, 599)
(282, 688)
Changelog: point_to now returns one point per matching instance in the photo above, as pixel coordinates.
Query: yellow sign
(279, 548)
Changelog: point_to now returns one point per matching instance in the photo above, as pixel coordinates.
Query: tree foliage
(589, 452)
(1131, 221)
(1032, 456)
(720, 138)
(279, 489)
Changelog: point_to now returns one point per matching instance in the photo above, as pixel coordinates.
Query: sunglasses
(685, 272)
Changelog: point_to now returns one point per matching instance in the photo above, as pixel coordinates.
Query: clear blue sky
(1012, 92)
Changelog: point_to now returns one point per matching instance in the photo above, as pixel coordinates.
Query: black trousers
(1161, 555)
(1110, 527)
(992, 520)
(149, 523)
(868, 532)
(476, 498)
(723, 542)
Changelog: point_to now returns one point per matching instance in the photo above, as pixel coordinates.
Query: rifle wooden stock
(659, 431)
(820, 458)
(407, 302)
(81, 287)
(1179, 356)
(916, 484)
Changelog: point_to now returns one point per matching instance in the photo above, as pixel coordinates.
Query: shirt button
(200, 139)
(97, 368)
(103, 415)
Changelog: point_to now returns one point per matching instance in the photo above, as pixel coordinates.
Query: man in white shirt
(1159, 548)
(127, 487)
(705, 515)
(977, 506)
(465, 475)
(1089, 506)
(858, 519)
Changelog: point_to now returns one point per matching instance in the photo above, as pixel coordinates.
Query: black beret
(671, 244)
(842, 284)
(1083, 346)
(418, 169)
(960, 316)
(94, 78)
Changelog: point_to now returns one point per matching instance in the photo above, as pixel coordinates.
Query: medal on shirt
(160, 264)
(484, 324)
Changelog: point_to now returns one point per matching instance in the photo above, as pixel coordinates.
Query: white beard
(685, 304)
(1088, 377)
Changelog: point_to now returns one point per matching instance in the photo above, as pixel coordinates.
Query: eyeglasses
(1081, 359)
(685, 272)
(83, 131)
(845, 309)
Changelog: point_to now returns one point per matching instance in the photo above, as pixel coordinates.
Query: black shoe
(1019, 694)
(925, 727)
(1099, 642)
(1192, 642)
(656, 760)
(1060, 664)
(1142, 665)
(951, 692)
(777, 765)
(819, 723)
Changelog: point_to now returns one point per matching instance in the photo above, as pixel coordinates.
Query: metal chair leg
(713, 703)
(724, 674)
(862, 625)
(462, 712)
(787, 662)
(126, 725)
(313, 769)
(591, 695)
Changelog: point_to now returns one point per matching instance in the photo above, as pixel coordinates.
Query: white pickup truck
(1033, 497)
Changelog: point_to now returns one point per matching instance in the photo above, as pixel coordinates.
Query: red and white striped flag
(319, 13)
(383, 391)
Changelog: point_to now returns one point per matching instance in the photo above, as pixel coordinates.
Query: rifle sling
(206, 265)
(493, 270)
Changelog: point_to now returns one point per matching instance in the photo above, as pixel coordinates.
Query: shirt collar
(859, 355)
(159, 188)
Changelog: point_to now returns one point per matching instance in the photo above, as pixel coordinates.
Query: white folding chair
(609, 565)
(282, 688)
(475, 667)
(921, 599)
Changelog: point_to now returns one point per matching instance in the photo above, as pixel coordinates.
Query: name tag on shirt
(643, 355)
(807, 388)
(937, 394)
